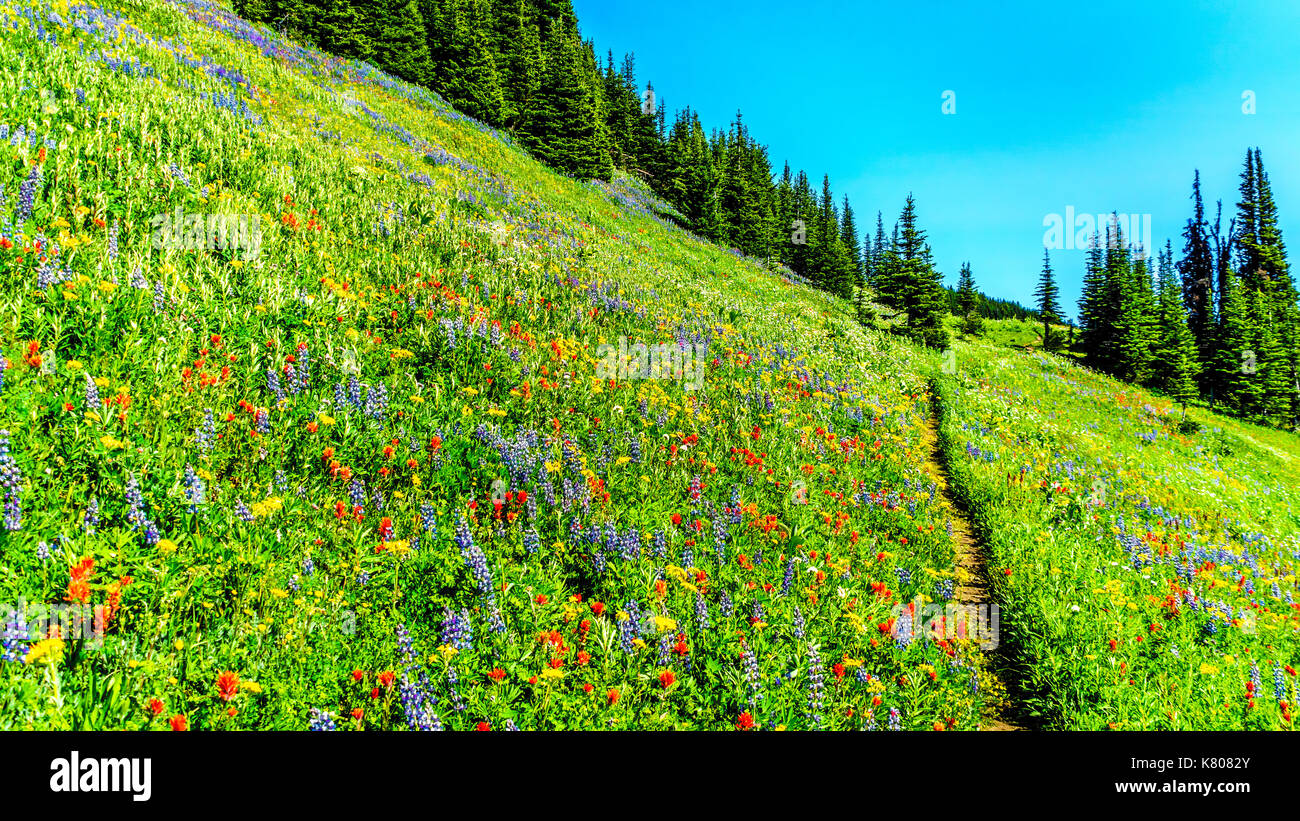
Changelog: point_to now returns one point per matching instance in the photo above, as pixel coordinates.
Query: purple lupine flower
(631, 544)
(903, 629)
(456, 629)
(665, 649)
(10, 480)
(725, 605)
(27, 195)
(90, 520)
(701, 614)
(749, 665)
(15, 637)
(273, 384)
(816, 686)
(92, 394)
(495, 622)
(242, 511)
(475, 561)
(194, 488)
(321, 721)
(204, 434)
(112, 240)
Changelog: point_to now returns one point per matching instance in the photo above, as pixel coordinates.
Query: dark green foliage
(916, 283)
(399, 40)
(967, 304)
(1225, 326)
(1049, 305)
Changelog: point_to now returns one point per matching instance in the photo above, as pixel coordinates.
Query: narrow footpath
(1001, 709)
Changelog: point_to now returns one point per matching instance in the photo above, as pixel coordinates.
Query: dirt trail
(1000, 710)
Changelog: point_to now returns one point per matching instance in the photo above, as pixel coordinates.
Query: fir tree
(972, 323)
(920, 294)
(1178, 361)
(1048, 299)
(1197, 268)
(400, 42)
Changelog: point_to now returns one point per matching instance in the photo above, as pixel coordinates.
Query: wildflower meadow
(325, 406)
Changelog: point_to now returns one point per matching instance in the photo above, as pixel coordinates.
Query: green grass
(406, 246)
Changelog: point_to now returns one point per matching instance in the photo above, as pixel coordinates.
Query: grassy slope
(1109, 520)
(387, 216)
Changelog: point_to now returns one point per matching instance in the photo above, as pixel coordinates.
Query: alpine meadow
(408, 365)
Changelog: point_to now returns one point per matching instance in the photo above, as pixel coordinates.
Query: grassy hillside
(378, 474)
(1149, 558)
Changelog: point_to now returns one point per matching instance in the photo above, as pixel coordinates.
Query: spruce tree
(1236, 362)
(972, 323)
(849, 239)
(1048, 299)
(1095, 317)
(1197, 268)
(918, 284)
(1178, 360)
(400, 43)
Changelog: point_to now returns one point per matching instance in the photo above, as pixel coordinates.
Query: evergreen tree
(519, 46)
(1091, 299)
(920, 294)
(400, 43)
(849, 239)
(967, 303)
(566, 128)
(1178, 361)
(1197, 268)
(1048, 300)
(1136, 328)
(464, 66)
(694, 180)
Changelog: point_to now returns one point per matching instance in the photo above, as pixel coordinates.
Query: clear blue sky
(1104, 106)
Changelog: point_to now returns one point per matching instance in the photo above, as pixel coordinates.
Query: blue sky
(1103, 106)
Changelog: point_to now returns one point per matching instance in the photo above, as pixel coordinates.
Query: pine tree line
(1221, 323)
(522, 66)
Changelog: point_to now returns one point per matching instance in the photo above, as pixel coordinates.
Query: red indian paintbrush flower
(227, 685)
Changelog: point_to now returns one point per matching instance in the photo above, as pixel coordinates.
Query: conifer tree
(400, 42)
(972, 323)
(849, 239)
(920, 294)
(1093, 319)
(566, 128)
(1197, 268)
(1177, 362)
(1048, 299)
(1236, 362)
